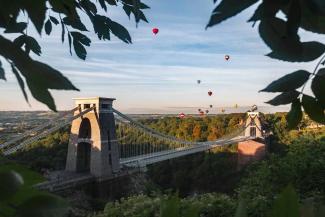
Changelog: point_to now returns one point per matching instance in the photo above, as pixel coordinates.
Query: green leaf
(258, 14)
(32, 44)
(70, 41)
(41, 77)
(20, 81)
(136, 10)
(287, 204)
(67, 7)
(312, 50)
(10, 183)
(101, 27)
(138, 14)
(75, 23)
(241, 209)
(310, 20)
(313, 108)
(54, 20)
(170, 207)
(88, 6)
(81, 38)
(288, 82)
(45, 76)
(48, 27)
(36, 10)
(63, 31)
(294, 18)
(227, 9)
(284, 47)
(20, 40)
(2, 72)
(103, 5)
(120, 32)
(43, 206)
(111, 2)
(80, 50)
(128, 10)
(41, 94)
(14, 27)
(265, 10)
(318, 86)
(294, 116)
(138, 4)
(284, 98)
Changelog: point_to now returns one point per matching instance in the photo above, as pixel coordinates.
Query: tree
(196, 132)
(281, 36)
(45, 15)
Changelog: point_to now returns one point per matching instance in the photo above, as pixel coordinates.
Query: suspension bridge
(96, 152)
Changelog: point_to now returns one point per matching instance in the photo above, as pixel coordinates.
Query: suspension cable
(159, 135)
(45, 133)
(35, 130)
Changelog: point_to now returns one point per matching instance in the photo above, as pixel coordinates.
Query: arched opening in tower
(85, 129)
(252, 131)
(83, 157)
(84, 147)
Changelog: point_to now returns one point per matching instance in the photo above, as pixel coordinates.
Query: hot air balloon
(155, 31)
(207, 111)
(199, 110)
(210, 93)
(223, 110)
(199, 81)
(211, 106)
(181, 115)
(227, 57)
(201, 113)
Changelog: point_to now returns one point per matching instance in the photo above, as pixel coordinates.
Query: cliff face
(249, 151)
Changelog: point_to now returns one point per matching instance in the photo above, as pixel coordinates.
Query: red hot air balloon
(201, 113)
(210, 93)
(227, 57)
(181, 115)
(155, 31)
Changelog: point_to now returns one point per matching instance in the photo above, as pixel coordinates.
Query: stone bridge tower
(92, 146)
(253, 125)
(254, 149)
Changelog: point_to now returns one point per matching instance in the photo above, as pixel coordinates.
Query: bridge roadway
(147, 159)
(67, 180)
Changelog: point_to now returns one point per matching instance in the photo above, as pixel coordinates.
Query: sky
(159, 73)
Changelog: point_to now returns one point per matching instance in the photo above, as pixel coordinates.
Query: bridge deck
(63, 180)
(143, 160)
